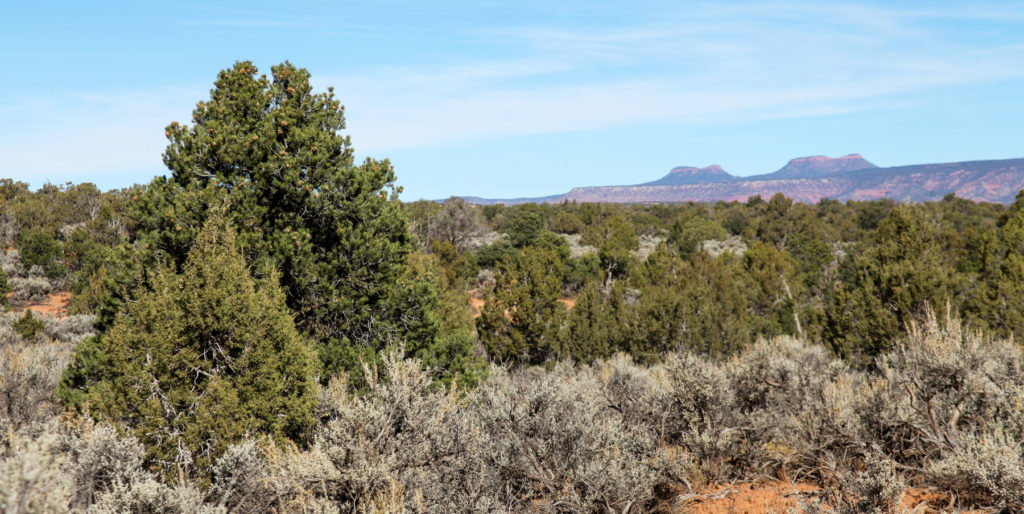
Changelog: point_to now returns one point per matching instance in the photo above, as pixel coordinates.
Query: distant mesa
(815, 166)
(809, 179)
(692, 175)
(821, 166)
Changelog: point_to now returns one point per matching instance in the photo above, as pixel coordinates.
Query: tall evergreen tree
(201, 359)
(270, 150)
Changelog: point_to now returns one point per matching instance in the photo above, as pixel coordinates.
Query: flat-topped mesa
(690, 175)
(822, 166)
(845, 178)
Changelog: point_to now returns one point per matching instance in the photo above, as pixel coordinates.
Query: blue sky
(526, 98)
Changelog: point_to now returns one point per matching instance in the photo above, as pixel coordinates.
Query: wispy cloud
(726, 63)
(692, 63)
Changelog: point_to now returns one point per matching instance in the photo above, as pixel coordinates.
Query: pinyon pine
(269, 150)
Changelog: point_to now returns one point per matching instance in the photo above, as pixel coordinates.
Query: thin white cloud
(712, 63)
(721, 65)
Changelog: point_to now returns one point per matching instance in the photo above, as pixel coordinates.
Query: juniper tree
(997, 303)
(270, 150)
(522, 317)
(618, 240)
(40, 248)
(775, 297)
(28, 326)
(5, 287)
(201, 359)
(699, 304)
(886, 285)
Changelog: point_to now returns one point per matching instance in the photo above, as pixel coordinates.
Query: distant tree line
(852, 276)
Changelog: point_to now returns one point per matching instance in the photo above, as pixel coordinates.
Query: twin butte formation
(810, 179)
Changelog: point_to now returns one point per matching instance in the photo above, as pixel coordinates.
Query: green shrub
(489, 256)
(5, 288)
(28, 326)
(524, 226)
(39, 248)
(220, 356)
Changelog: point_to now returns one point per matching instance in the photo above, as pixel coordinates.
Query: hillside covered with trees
(270, 328)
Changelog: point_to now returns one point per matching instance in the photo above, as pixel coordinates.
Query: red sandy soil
(760, 498)
(782, 497)
(477, 305)
(55, 305)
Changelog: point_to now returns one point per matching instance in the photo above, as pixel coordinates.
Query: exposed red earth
(781, 496)
(56, 305)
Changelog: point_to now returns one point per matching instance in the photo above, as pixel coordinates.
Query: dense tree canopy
(269, 151)
(886, 285)
(200, 359)
(520, 322)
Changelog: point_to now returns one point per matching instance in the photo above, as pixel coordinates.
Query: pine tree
(199, 360)
(270, 150)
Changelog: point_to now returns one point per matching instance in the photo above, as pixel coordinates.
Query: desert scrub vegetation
(941, 412)
(30, 369)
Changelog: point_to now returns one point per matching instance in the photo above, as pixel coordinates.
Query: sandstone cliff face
(843, 178)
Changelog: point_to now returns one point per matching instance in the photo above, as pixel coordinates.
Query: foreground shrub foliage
(203, 359)
(942, 411)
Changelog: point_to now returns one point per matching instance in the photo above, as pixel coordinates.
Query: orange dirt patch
(929, 501)
(477, 305)
(739, 498)
(55, 305)
(783, 497)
